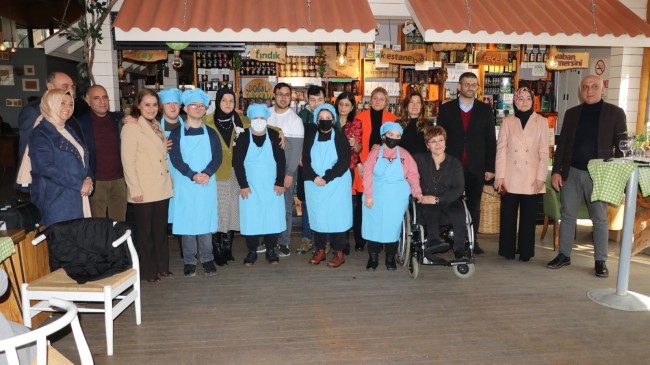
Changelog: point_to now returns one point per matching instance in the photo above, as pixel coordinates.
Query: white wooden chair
(45, 353)
(105, 291)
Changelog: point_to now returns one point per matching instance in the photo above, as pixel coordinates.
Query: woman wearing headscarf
(390, 175)
(371, 121)
(59, 162)
(259, 165)
(149, 183)
(228, 124)
(328, 185)
(413, 122)
(521, 168)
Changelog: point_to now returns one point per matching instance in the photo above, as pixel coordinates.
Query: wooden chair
(552, 210)
(105, 291)
(45, 353)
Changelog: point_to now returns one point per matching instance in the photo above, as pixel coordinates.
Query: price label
(424, 66)
(539, 69)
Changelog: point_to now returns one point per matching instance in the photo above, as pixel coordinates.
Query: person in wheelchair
(442, 182)
(389, 176)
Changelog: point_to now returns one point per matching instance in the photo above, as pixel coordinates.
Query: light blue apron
(330, 206)
(263, 211)
(195, 208)
(172, 170)
(383, 222)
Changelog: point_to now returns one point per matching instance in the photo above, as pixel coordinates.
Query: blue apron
(172, 170)
(195, 207)
(263, 211)
(329, 207)
(383, 222)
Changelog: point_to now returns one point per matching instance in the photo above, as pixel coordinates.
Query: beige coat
(522, 154)
(144, 160)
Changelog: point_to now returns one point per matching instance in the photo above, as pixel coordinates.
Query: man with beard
(471, 139)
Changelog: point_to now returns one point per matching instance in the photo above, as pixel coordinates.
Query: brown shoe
(166, 274)
(337, 260)
(319, 256)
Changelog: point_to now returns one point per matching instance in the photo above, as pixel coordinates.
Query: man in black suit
(471, 139)
(102, 133)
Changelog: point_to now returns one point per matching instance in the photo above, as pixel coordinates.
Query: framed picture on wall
(31, 85)
(6, 75)
(29, 70)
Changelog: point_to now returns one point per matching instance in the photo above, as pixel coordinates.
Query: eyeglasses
(331, 120)
(196, 106)
(280, 95)
(468, 85)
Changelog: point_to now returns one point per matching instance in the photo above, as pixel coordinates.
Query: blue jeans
(190, 248)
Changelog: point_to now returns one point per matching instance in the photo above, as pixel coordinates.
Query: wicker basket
(490, 210)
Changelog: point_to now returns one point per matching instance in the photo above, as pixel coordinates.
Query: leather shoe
(337, 260)
(559, 261)
(153, 280)
(601, 269)
(319, 256)
(166, 274)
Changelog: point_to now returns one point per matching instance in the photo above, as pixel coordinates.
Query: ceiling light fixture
(342, 53)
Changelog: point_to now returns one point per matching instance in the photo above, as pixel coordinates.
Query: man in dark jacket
(101, 132)
(472, 140)
(31, 111)
(602, 126)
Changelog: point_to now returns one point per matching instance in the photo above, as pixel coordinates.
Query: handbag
(20, 215)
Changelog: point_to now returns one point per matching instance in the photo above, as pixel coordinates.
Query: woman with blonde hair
(371, 122)
(60, 183)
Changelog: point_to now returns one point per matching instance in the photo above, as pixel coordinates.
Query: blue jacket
(86, 124)
(57, 174)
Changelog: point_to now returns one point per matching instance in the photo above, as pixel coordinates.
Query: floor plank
(294, 313)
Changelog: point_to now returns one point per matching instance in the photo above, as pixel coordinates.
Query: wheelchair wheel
(464, 271)
(405, 238)
(413, 266)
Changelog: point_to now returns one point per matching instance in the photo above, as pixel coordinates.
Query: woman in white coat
(521, 168)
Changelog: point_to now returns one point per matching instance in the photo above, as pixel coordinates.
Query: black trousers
(375, 247)
(433, 215)
(527, 207)
(270, 241)
(356, 219)
(474, 191)
(151, 234)
(337, 240)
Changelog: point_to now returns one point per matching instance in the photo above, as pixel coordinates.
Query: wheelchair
(410, 250)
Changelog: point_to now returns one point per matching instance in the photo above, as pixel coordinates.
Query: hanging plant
(89, 31)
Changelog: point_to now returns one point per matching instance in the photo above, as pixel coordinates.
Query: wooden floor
(294, 313)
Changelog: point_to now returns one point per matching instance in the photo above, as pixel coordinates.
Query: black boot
(390, 262)
(373, 261)
(217, 250)
(227, 245)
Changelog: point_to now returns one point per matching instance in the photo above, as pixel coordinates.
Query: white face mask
(258, 125)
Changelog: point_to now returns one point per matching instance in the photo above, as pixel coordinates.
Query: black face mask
(391, 142)
(325, 124)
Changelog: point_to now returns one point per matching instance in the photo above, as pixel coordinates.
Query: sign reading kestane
(402, 58)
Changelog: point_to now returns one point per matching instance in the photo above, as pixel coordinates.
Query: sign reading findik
(277, 55)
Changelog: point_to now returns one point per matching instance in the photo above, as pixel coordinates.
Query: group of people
(210, 176)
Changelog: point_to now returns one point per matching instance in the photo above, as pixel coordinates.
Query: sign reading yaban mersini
(402, 58)
(569, 60)
(277, 55)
